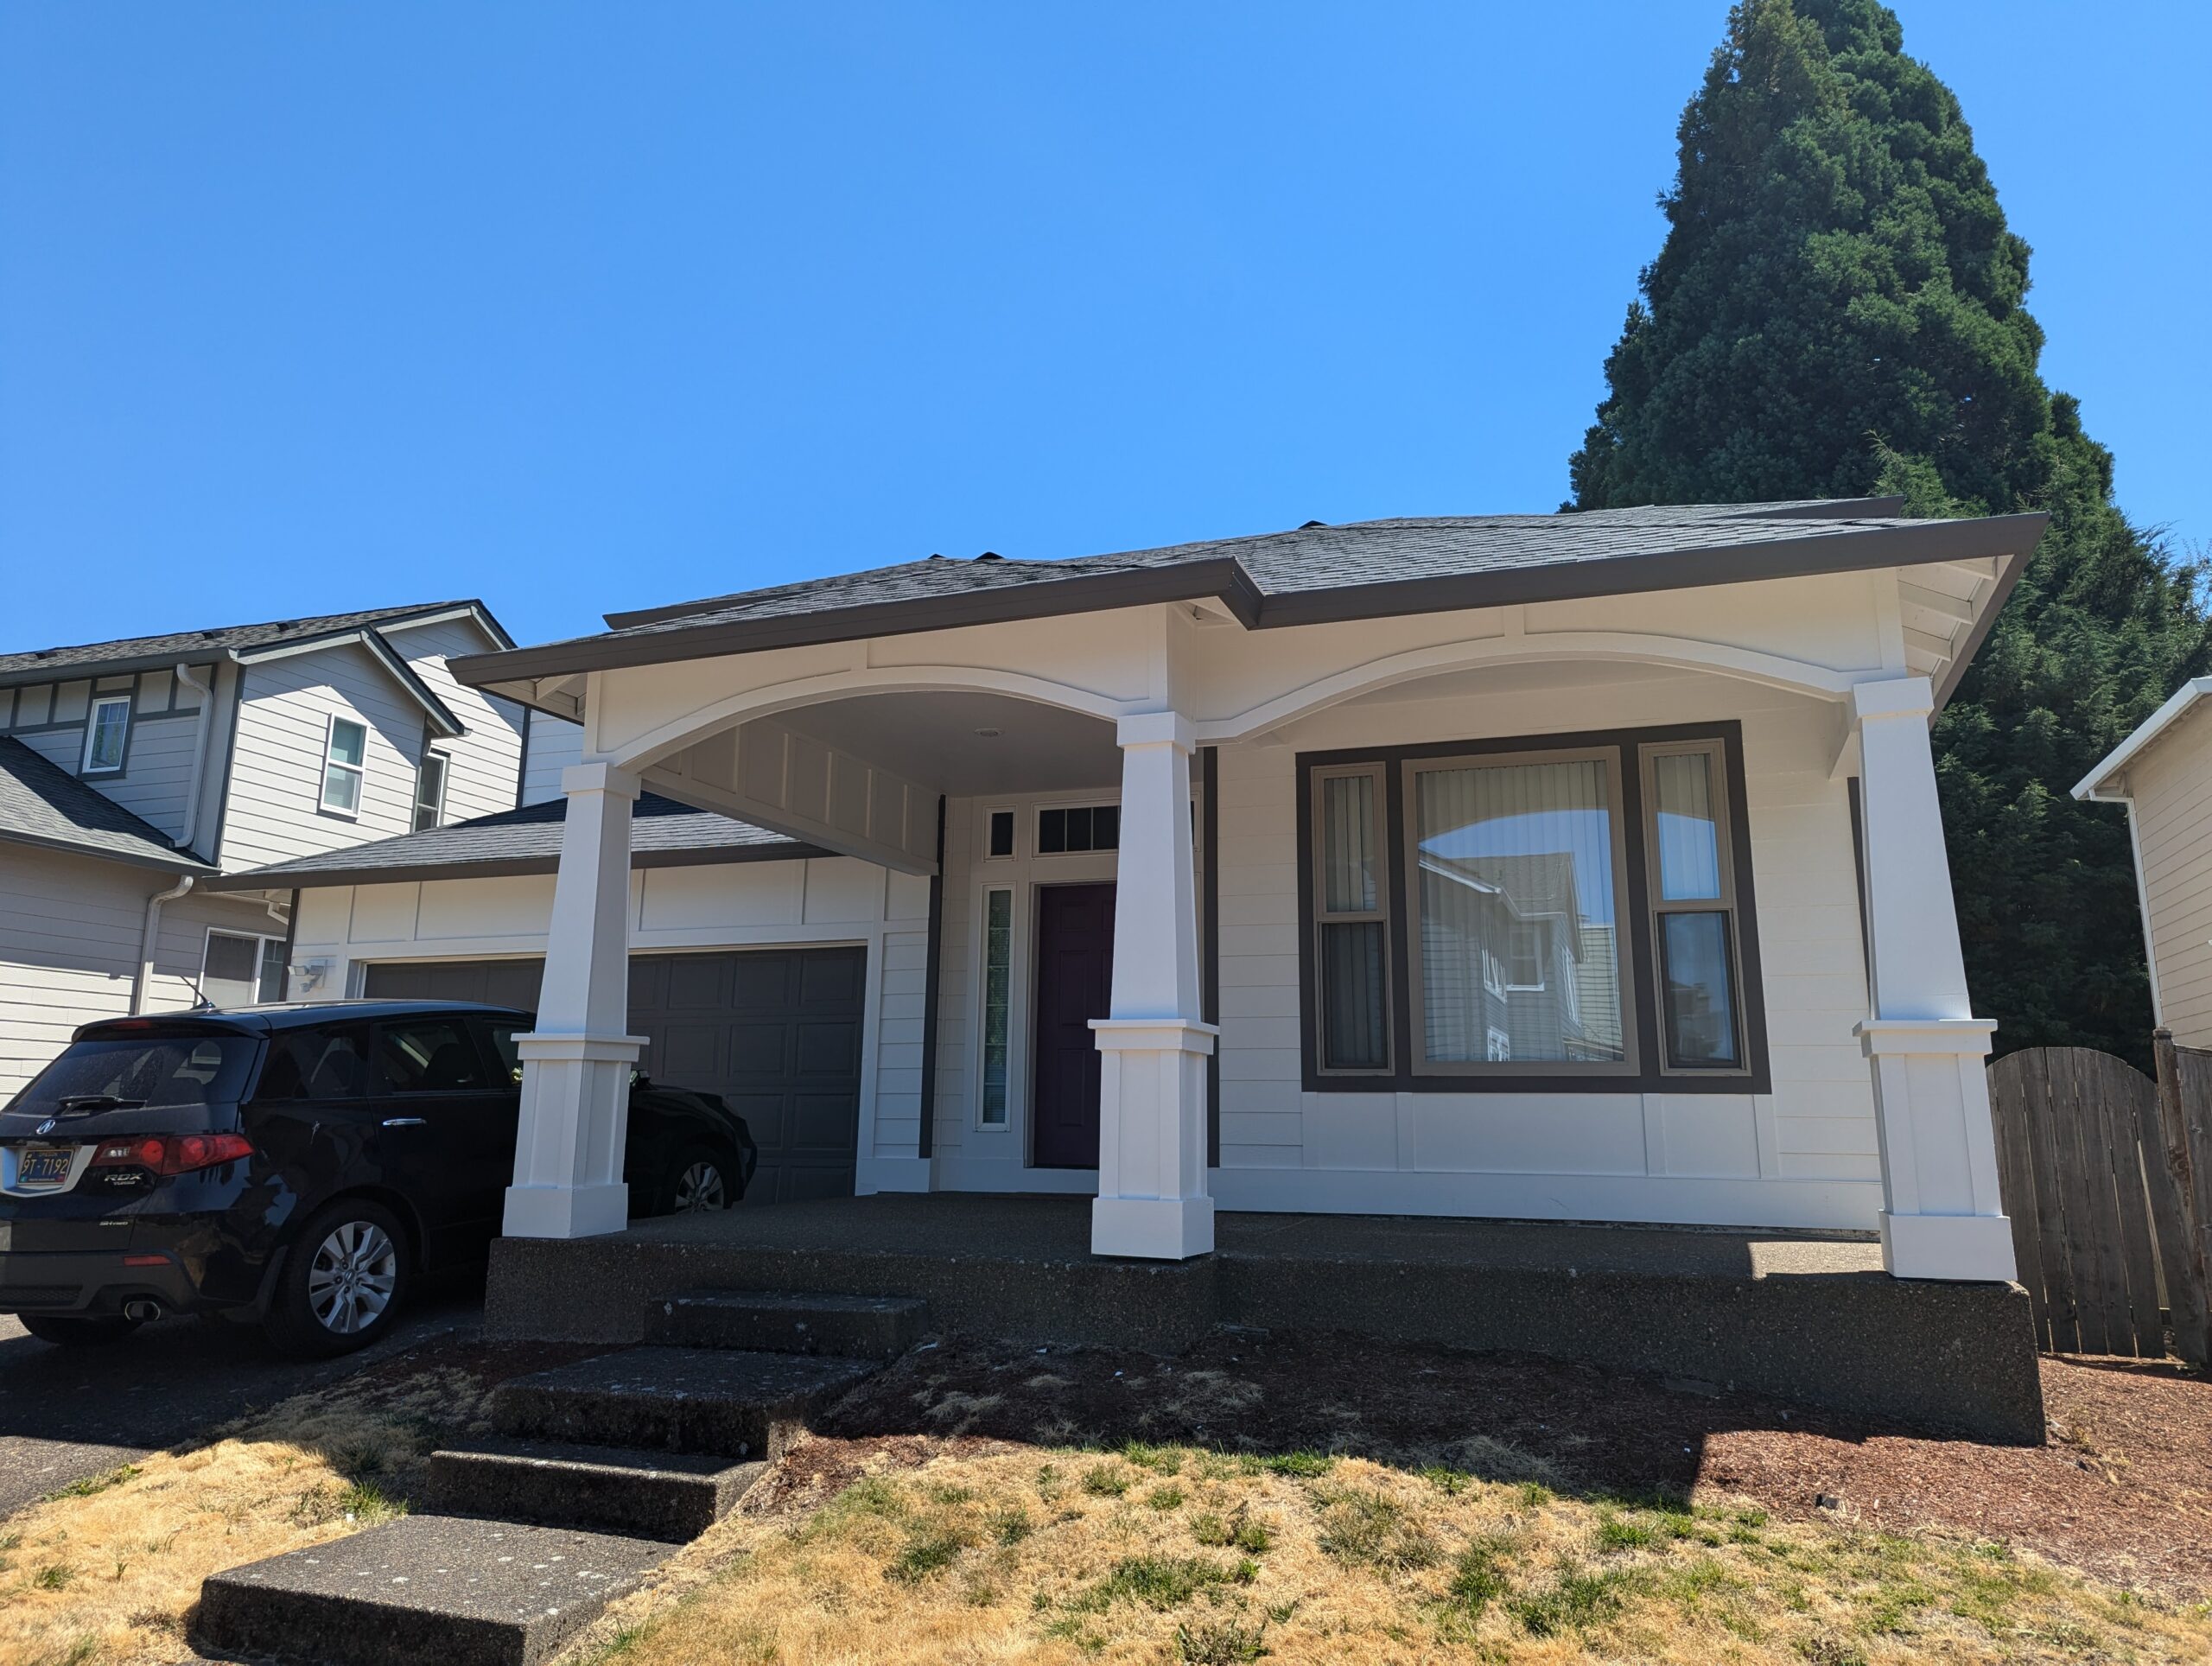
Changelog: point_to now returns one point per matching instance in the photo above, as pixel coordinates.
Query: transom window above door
(1562, 913)
(1069, 830)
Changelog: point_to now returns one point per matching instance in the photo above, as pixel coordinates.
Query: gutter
(144, 981)
(206, 693)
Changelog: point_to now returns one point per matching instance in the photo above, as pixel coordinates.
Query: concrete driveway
(67, 1413)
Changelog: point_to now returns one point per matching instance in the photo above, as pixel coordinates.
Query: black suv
(300, 1164)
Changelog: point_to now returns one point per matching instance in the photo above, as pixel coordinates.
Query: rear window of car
(113, 1075)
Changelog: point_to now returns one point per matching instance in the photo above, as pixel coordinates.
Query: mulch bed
(2122, 1491)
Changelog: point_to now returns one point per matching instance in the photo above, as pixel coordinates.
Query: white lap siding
(1803, 1154)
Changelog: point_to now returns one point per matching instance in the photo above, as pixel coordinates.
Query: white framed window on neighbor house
(238, 968)
(998, 1004)
(430, 789)
(345, 753)
(107, 730)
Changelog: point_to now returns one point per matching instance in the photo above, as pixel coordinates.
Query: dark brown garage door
(776, 1032)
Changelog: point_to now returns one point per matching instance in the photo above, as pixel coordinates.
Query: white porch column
(575, 1073)
(1943, 1218)
(1151, 1114)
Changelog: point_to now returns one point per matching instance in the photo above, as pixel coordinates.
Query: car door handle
(406, 1122)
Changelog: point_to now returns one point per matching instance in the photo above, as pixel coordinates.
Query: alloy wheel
(699, 1186)
(352, 1278)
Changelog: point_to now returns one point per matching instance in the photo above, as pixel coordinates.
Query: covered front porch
(1467, 899)
(1804, 1316)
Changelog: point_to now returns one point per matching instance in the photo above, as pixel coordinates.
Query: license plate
(44, 1165)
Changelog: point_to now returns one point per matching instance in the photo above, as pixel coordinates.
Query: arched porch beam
(1683, 653)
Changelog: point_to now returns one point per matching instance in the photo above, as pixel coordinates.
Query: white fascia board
(2094, 785)
(475, 613)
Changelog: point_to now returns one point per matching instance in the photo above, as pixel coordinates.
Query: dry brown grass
(1015, 1554)
(106, 1571)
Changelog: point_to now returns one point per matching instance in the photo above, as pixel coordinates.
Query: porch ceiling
(969, 745)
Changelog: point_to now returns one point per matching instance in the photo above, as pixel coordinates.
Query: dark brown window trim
(1651, 1079)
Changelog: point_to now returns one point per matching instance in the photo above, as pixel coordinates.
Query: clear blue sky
(305, 308)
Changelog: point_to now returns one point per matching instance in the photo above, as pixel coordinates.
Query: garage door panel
(831, 981)
(760, 1049)
(685, 1052)
(827, 1048)
(763, 981)
(775, 1032)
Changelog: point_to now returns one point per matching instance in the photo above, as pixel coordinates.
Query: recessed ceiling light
(989, 734)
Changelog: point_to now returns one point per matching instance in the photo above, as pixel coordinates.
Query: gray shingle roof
(43, 803)
(663, 833)
(91, 658)
(1305, 576)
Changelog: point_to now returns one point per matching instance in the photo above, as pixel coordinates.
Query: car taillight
(172, 1153)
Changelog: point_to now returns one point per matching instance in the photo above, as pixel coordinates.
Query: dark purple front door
(1075, 974)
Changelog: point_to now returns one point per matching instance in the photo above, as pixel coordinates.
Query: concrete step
(423, 1591)
(729, 1402)
(858, 1327)
(651, 1495)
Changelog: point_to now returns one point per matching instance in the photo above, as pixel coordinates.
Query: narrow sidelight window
(1693, 907)
(104, 735)
(1351, 921)
(998, 1002)
(345, 750)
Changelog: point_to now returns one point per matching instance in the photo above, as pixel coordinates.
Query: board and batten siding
(164, 734)
(2170, 786)
(816, 901)
(1803, 1154)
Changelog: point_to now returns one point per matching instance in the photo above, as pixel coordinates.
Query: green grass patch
(1370, 1530)
(1300, 1465)
(1575, 1600)
(1164, 1497)
(1161, 1461)
(1010, 1526)
(928, 1550)
(1107, 1481)
(1159, 1582)
(1219, 1642)
(90, 1486)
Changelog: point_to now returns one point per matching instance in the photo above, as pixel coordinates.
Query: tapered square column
(577, 1064)
(1152, 1112)
(1943, 1216)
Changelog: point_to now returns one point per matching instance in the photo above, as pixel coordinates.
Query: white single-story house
(2162, 773)
(1580, 866)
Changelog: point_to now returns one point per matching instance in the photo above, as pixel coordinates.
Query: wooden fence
(2107, 1178)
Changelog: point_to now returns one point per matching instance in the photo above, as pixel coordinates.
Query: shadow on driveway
(67, 1413)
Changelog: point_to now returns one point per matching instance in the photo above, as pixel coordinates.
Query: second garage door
(776, 1032)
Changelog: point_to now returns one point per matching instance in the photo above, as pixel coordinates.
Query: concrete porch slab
(1806, 1317)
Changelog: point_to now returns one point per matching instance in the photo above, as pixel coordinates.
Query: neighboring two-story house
(131, 773)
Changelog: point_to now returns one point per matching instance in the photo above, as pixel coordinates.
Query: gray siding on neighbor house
(553, 745)
(69, 935)
(487, 760)
(156, 773)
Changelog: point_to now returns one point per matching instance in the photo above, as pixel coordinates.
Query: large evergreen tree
(1837, 311)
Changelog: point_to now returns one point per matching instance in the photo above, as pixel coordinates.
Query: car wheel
(65, 1331)
(343, 1280)
(701, 1181)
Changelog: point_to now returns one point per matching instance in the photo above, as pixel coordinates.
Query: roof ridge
(363, 615)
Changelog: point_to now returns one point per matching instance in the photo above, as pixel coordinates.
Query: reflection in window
(1516, 864)
(998, 986)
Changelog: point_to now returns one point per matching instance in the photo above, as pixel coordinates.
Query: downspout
(140, 984)
(206, 693)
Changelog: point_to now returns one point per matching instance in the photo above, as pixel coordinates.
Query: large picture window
(1568, 912)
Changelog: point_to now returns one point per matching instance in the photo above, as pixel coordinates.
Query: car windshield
(171, 1069)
